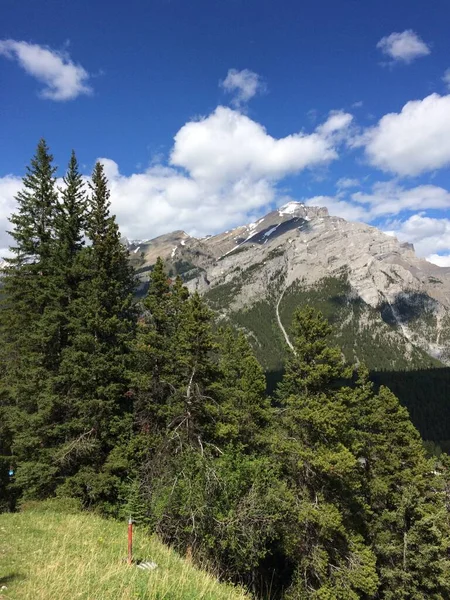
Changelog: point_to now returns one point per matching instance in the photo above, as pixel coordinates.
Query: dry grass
(51, 555)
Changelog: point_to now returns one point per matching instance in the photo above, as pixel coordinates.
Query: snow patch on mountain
(271, 230)
(290, 208)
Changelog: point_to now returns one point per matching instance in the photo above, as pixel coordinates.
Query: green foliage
(135, 507)
(66, 321)
(30, 327)
(240, 390)
(149, 410)
(201, 413)
(407, 523)
(366, 504)
(314, 364)
(93, 378)
(321, 536)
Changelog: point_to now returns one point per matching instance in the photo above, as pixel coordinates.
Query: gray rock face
(304, 244)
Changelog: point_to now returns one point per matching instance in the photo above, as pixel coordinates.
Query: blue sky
(210, 112)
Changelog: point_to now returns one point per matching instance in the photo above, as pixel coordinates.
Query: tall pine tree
(155, 350)
(241, 391)
(201, 414)
(29, 331)
(318, 536)
(94, 367)
(407, 521)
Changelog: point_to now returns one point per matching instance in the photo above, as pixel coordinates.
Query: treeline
(322, 492)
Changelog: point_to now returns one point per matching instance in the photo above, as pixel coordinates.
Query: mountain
(390, 308)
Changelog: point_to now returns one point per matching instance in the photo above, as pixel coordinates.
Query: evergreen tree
(94, 367)
(155, 350)
(67, 244)
(175, 366)
(199, 404)
(192, 409)
(71, 224)
(241, 390)
(367, 512)
(154, 373)
(329, 555)
(30, 343)
(407, 522)
(314, 365)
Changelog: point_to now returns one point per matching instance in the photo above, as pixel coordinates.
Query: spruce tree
(30, 343)
(314, 365)
(407, 522)
(154, 374)
(94, 367)
(192, 408)
(155, 350)
(367, 514)
(241, 391)
(71, 225)
(199, 404)
(329, 555)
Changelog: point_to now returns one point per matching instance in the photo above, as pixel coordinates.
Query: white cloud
(243, 84)
(413, 141)
(430, 236)
(389, 198)
(228, 145)
(162, 200)
(446, 78)
(347, 182)
(385, 199)
(337, 121)
(223, 170)
(403, 47)
(62, 78)
(439, 260)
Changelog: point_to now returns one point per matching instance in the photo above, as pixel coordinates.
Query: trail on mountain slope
(280, 324)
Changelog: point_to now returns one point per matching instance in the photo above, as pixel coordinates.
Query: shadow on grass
(11, 578)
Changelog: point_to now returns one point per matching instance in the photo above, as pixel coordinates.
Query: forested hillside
(389, 308)
(321, 491)
(421, 382)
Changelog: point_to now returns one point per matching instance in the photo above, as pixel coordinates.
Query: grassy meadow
(49, 554)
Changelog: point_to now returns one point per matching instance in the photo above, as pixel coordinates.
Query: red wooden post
(130, 541)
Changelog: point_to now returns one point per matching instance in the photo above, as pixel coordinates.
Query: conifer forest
(150, 406)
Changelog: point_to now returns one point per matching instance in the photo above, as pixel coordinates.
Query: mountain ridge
(299, 248)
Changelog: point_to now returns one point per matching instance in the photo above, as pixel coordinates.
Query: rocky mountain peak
(298, 209)
(297, 245)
